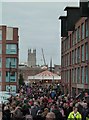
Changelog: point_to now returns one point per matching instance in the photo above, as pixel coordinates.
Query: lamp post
(53, 79)
(9, 75)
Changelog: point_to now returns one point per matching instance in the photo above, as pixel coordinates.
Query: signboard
(80, 86)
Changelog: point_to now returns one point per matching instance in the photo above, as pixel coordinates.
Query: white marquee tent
(45, 75)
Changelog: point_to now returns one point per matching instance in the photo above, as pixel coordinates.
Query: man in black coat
(57, 113)
(6, 113)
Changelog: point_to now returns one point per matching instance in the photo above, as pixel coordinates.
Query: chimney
(84, 8)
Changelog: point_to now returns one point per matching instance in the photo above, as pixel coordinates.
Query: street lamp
(53, 79)
(9, 75)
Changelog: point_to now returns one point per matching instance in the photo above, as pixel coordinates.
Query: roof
(67, 8)
(29, 68)
(45, 75)
(62, 17)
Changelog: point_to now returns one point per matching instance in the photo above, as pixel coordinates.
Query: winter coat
(58, 115)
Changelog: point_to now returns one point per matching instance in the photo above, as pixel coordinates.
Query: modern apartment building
(8, 58)
(75, 49)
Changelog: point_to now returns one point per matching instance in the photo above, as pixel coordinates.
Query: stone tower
(31, 57)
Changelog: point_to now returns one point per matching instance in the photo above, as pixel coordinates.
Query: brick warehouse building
(26, 71)
(75, 48)
(8, 58)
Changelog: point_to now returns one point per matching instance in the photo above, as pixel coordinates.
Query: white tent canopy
(45, 75)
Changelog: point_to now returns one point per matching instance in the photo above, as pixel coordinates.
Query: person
(35, 109)
(50, 116)
(56, 111)
(46, 110)
(87, 114)
(53, 94)
(28, 116)
(17, 114)
(6, 113)
(66, 110)
(75, 115)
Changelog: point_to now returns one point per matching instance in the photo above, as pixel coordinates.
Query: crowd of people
(39, 102)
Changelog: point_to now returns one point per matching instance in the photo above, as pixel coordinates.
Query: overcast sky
(38, 25)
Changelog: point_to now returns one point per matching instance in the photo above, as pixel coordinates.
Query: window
(82, 71)
(73, 39)
(73, 76)
(78, 55)
(65, 76)
(13, 62)
(11, 49)
(86, 46)
(7, 88)
(86, 28)
(69, 42)
(0, 34)
(13, 77)
(12, 88)
(75, 36)
(77, 31)
(65, 60)
(0, 76)
(0, 48)
(86, 69)
(78, 75)
(68, 59)
(68, 75)
(82, 28)
(0, 62)
(9, 33)
(7, 76)
(82, 52)
(78, 34)
(73, 56)
(66, 46)
(10, 76)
